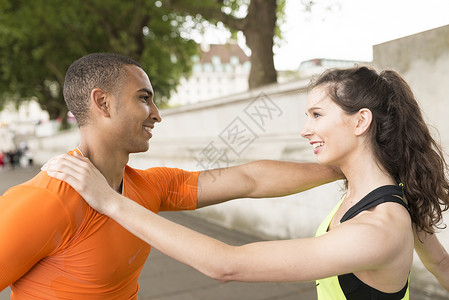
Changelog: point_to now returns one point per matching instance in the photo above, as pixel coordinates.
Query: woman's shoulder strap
(386, 193)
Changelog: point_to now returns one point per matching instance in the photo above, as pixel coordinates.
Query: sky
(350, 29)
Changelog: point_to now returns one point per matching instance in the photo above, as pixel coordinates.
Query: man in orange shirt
(54, 246)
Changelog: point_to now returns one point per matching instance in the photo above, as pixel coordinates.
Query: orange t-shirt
(54, 246)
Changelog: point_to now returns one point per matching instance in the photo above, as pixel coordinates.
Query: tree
(258, 26)
(39, 40)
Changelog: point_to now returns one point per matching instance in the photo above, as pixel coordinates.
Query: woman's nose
(306, 132)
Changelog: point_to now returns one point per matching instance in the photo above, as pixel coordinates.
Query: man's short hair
(97, 70)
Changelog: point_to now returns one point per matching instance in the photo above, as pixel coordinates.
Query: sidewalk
(163, 278)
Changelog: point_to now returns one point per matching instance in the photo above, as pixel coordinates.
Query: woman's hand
(85, 178)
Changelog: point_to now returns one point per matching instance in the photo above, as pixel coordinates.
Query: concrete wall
(261, 124)
(423, 60)
(265, 124)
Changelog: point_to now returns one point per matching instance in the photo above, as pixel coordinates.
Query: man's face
(135, 113)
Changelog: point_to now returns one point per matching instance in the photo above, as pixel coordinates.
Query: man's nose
(155, 114)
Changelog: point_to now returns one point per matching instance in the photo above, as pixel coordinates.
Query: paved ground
(162, 278)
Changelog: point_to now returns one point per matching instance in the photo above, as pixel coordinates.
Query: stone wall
(261, 124)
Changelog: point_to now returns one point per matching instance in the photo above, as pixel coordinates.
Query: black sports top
(352, 287)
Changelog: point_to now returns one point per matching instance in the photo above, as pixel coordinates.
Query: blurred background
(230, 78)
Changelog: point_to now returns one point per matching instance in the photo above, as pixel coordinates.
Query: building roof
(224, 51)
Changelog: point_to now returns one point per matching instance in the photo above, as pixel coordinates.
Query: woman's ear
(364, 120)
(100, 102)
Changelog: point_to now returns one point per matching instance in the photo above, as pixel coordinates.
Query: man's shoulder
(44, 190)
(157, 170)
(145, 177)
(148, 173)
(159, 174)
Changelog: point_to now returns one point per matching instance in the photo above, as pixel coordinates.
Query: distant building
(22, 120)
(26, 120)
(220, 70)
(316, 66)
(26, 112)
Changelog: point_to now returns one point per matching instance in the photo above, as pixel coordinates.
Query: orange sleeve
(33, 223)
(178, 188)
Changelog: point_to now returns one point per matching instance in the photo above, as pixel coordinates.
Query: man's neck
(110, 162)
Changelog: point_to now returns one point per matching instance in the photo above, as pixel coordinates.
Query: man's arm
(262, 179)
(29, 231)
(434, 256)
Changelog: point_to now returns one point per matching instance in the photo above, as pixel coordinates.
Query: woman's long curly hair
(401, 140)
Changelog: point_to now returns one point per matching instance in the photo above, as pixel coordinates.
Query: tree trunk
(259, 33)
(258, 27)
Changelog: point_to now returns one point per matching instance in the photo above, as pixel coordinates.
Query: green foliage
(280, 19)
(39, 39)
(258, 20)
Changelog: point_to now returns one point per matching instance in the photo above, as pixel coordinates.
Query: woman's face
(329, 129)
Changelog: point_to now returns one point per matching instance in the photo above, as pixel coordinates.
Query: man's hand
(84, 177)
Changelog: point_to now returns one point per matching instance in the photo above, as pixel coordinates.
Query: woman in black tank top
(381, 112)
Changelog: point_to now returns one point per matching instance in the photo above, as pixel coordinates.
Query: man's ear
(364, 120)
(100, 102)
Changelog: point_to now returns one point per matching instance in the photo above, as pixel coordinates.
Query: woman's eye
(144, 98)
(316, 115)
